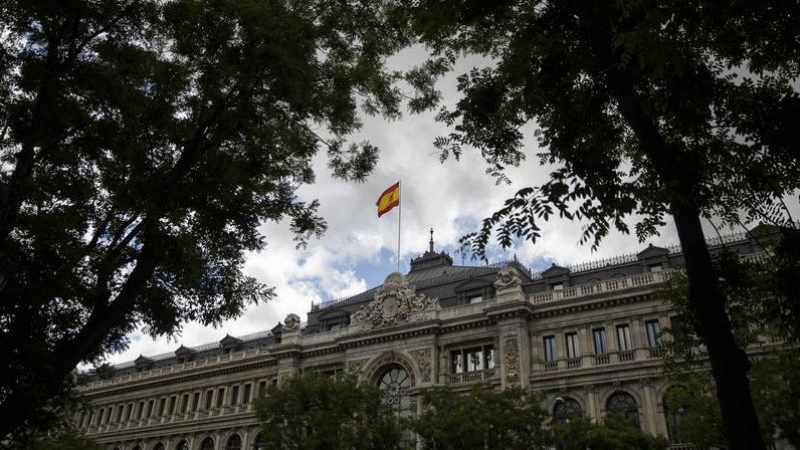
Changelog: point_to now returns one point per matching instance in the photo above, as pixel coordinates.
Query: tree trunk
(22, 403)
(729, 363)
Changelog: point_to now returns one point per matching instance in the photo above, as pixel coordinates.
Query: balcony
(471, 377)
(612, 285)
(180, 417)
(574, 363)
(626, 356)
(601, 360)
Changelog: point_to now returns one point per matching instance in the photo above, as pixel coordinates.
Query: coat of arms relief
(395, 302)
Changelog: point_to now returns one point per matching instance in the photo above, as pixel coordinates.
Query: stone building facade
(589, 337)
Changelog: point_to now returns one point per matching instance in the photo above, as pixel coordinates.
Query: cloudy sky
(358, 250)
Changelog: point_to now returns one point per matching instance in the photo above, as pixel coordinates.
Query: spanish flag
(389, 199)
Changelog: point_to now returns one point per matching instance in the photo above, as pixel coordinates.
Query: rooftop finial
(431, 240)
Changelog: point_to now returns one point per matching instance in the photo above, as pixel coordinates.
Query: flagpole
(399, 222)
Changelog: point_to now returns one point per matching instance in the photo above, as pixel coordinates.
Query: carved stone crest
(507, 278)
(357, 365)
(393, 303)
(511, 359)
(291, 323)
(423, 359)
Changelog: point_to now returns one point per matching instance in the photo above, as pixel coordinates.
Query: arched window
(675, 408)
(159, 446)
(394, 384)
(260, 443)
(234, 443)
(566, 408)
(623, 404)
(207, 444)
(182, 445)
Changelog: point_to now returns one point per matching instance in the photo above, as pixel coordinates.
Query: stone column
(592, 408)
(649, 406)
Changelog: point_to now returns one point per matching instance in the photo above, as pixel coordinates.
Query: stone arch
(233, 442)
(613, 390)
(255, 439)
(159, 446)
(553, 399)
(565, 406)
(378, 365)
(630, 405)
(182, 444)
(207, 443)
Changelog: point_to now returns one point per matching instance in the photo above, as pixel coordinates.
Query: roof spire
(431, 240)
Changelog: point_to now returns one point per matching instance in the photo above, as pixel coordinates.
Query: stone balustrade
(471, 377)
(612, 285)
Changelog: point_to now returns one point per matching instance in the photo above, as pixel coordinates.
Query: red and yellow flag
(389, 199)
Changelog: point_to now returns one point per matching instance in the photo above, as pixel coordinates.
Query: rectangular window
(472, 359)
(624, 337)
(558, 286)
(235, 396)
(456, 363)
(141, 411)
(185, 403)
(120, 409)
(173, 403)
(572, 345)
(150, 405)
(549, 348)
(161, 404)
(262, 388)
(600, 346)
(209, 395)
(489, 352)
(655, 267)
(246, 393)
(220, 397)
(128, 412)
(653, 333)
(475, 299)
(195, 401)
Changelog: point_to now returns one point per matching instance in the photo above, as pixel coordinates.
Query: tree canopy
(647, 110)
(482, 418)
(143, 143)
(613, 433)
(313, 411)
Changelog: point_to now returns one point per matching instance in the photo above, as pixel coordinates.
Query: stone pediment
(652, 251)
(143, 361)
(555, 270)
(395, 302)
(183, 351)
(229, 340)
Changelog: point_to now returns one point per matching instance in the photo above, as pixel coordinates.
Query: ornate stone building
(589, 337)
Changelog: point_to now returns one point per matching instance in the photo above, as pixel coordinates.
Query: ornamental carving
(507, 278)
(511, 359)
(357, 365)
(291, 323)
(423, 360)
(394, 302)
